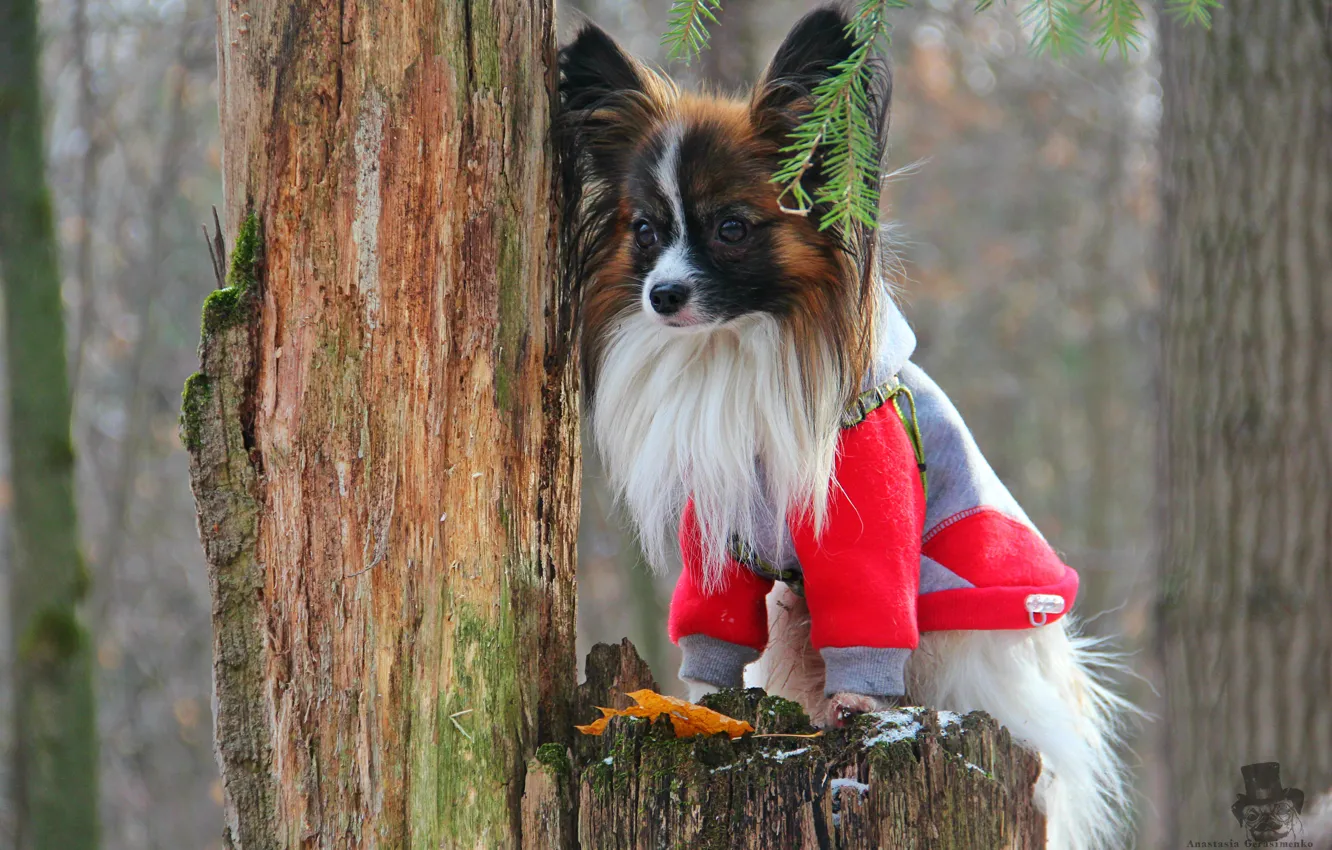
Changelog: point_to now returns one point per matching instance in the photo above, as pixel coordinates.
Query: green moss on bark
(555, 757)
(193, 402)
(228, 306)
(245, 256)
(460, 778)
(781, 717)
(740, 703)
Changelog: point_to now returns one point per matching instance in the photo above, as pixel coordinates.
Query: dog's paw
(840, 709)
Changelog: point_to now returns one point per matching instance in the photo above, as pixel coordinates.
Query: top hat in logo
(1266, 810)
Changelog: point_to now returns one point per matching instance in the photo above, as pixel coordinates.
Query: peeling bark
(383, 431)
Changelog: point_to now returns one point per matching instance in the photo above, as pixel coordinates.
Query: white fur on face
(667, 174)
(679, 414)
(674, 264)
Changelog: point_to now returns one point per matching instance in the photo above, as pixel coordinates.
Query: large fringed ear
(593, 67)
(813, 53)
(815, 46)
(606, 99)
(608, 102)
(810, 55)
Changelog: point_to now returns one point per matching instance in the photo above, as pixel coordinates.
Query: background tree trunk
(384, 429)
(55, 741)
(1243, 628)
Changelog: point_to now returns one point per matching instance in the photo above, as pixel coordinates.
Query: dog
(751, 392)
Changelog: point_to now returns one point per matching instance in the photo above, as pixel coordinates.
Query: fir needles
(839, 129)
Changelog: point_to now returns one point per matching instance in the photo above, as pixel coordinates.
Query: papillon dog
(752, 395)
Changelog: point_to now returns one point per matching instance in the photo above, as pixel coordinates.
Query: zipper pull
(1043, 604)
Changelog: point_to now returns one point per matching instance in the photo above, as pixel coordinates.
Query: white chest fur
(693, 413)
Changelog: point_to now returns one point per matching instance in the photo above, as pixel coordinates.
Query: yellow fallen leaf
(687, 718)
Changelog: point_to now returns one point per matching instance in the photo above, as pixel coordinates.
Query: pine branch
(841, 127)
(687, 28)
(1192, 11)
(839, 132)
(1056, 26)
(1120, 26)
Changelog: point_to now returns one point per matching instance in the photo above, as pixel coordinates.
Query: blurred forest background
(1025, 208)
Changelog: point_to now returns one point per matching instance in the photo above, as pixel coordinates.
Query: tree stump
(906, 778)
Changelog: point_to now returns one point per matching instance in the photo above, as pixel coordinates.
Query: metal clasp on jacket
(1043, 605)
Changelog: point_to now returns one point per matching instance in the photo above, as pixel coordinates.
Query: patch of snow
(949, 718)
(840, 783)
(894, 726)
(789, 754)
(895, 734)
(896, 716)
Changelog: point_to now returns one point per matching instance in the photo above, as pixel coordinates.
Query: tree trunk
(908, 779)
(55, 742)
(1244, 634)
(383, 433)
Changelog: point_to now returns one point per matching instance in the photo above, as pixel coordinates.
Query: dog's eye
(644, 236)
(732, 230)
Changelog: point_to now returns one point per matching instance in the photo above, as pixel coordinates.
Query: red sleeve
(863, 572)
(736, 612)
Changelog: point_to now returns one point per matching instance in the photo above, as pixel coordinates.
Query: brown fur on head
(640, 155)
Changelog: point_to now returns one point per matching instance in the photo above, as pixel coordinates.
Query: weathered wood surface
(384, 429)
(911, 778)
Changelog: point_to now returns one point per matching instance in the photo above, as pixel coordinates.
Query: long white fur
(1046, 685)
(688, 412)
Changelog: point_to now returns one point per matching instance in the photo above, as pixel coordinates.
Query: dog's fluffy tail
(1048, 685)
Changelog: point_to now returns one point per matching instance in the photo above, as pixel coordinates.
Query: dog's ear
(593, 68)
(814, 46)
(809, 55)
(607, 100)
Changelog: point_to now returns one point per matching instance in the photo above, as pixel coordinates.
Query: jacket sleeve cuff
(717, 662)
(866, 670)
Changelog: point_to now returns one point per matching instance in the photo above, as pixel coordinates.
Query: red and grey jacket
(892, 561)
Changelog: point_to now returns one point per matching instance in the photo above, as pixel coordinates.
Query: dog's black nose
(668, 298)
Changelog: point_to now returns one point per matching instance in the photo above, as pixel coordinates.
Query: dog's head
(672, 210)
